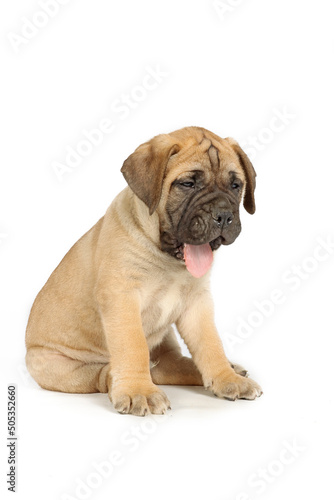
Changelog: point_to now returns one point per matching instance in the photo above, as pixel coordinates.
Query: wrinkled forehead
(216, 159)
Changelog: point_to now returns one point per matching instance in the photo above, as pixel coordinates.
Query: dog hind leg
(55, 371)
(170, 367)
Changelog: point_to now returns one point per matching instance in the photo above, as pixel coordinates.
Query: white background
(230, 73)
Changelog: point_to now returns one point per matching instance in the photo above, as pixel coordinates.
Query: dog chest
(161, 307)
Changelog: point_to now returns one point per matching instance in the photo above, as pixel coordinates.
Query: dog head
(195, 181)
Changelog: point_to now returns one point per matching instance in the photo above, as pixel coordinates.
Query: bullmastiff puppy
(103, 321)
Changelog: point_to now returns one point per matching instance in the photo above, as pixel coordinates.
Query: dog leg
(170, 367)
(132, 389)
(55, 371)
(197, 328)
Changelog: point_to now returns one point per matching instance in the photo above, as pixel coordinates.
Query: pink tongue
(198, 259)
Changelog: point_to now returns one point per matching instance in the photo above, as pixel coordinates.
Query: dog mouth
(214, 245)
(198, 258)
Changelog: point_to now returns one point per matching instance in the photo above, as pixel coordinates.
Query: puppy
(103, 321)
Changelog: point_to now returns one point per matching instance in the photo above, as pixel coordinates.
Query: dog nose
(223, 219)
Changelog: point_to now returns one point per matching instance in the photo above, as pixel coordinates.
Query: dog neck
(149, 224)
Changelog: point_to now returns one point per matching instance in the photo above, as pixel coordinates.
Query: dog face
(195, 181)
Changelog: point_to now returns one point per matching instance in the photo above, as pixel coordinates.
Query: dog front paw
(233, 386)
(139, 400)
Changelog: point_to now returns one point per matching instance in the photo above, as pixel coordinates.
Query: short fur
(102, 322)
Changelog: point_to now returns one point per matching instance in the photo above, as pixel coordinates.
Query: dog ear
(250, 174)
(144, 170)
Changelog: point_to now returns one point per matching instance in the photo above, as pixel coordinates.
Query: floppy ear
(250, 174)
(144, 170)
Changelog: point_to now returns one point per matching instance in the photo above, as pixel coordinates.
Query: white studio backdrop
(83, 84)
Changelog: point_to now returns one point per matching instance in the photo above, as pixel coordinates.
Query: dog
(103, 321)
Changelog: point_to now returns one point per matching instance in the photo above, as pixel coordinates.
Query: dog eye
(235, 185)
(188, 184)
